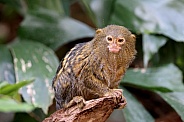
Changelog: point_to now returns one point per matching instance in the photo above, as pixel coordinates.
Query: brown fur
(90, 70)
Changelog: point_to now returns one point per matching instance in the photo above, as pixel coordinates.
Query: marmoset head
(115, 38)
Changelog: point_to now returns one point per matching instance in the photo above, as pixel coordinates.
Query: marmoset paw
(122, 103)
(77, 100)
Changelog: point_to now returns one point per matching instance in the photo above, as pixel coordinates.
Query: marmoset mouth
(114, 48)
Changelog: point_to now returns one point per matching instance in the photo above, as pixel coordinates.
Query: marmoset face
(114, 39)
(115, 43)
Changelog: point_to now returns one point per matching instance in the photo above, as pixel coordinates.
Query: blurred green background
(36, 34)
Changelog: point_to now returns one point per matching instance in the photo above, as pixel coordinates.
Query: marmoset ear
(133, 36)
(98, 31)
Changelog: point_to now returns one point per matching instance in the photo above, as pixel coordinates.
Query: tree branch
(94, 110)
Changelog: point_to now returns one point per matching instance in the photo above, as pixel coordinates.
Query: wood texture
(94, 110)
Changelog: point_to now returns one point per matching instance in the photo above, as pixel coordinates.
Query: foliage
(132, 113)
(47, 26)
(10, 99)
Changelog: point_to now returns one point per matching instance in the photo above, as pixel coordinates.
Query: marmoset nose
(114, 41)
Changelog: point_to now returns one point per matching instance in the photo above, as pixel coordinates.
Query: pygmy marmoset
(94, 69)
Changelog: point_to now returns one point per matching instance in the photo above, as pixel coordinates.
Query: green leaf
(90, 13)
(33, 60)
(151, 16)
(99, 10)
(10, 89)
(179, 54)
(176, 100)
(164, 78)
(6, 65)
(65, 4)
(151, 45)
(9, 105)
(134, 111)
(52, 29)
(3, 84)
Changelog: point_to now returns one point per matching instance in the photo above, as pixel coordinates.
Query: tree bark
(94, 110)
